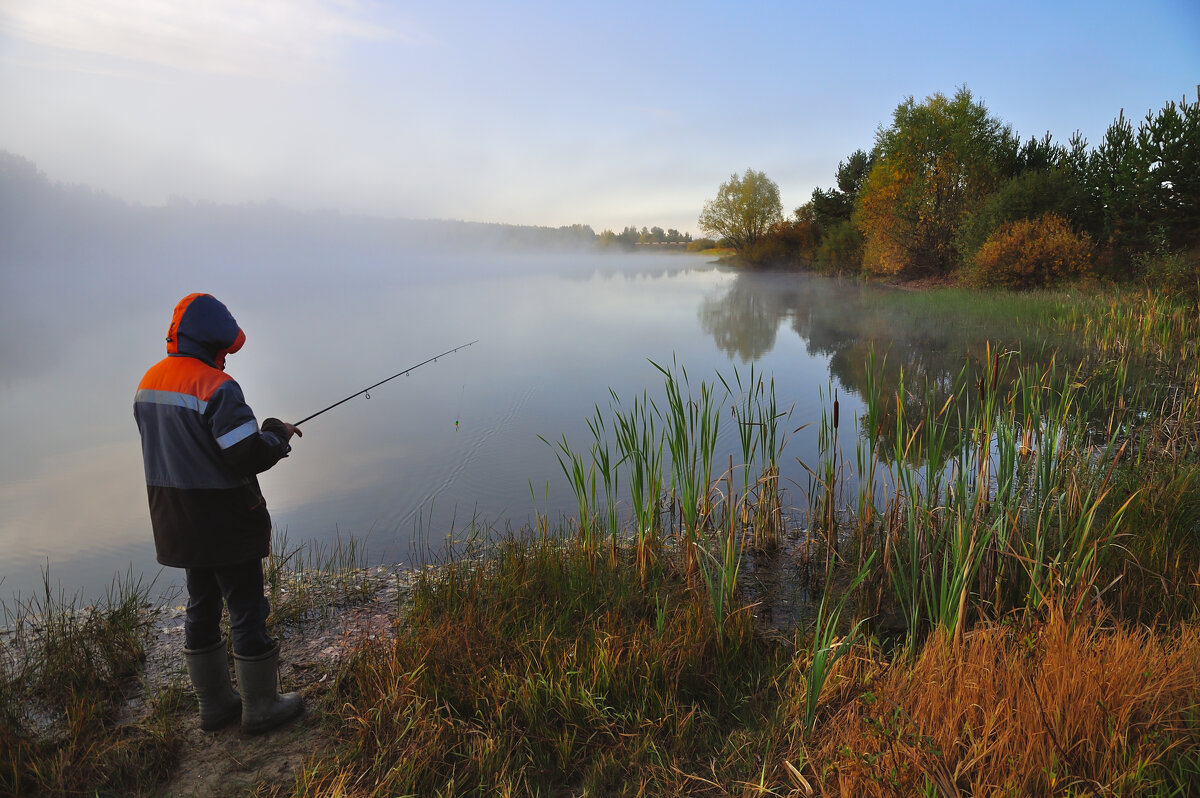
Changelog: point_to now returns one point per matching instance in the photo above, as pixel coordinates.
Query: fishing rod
(381, 382)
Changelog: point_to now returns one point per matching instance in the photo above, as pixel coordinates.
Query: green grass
(312, 582)
(547, 668)
(64, 676)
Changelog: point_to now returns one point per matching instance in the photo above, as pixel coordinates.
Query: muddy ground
(229, 763)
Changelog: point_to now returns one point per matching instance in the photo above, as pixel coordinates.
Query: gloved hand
(281, 428)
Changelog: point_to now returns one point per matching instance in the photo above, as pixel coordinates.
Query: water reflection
(879, 338)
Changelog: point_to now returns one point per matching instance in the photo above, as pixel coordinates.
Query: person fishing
(202, 449)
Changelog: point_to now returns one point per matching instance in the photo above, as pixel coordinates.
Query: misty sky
(543, 113)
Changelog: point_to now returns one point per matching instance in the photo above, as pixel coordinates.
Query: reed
(720, 557)
(641, 450)
(609, 477)
(1005, 513)
(690, 426)
(825, 648)
(582, 480)
(1003, 519)
(312, 581)
(758, 419)
(768, 510)
(663, 453)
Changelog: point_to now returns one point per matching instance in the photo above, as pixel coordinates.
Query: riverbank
(554, 668)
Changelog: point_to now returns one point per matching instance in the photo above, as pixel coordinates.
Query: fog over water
(330, 305)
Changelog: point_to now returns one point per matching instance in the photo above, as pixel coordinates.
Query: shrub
(788, 243)
(1029, 253)
(1172, 271)
(1026, 196)
(841, 249)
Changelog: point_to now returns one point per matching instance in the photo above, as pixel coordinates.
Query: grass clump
(547, 668)
(311, 582)
(64, 678)
(1046, 708)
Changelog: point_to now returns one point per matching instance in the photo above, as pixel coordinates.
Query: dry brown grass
(1014, 711)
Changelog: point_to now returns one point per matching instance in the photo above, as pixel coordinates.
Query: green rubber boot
(263, 707)
(208, 669)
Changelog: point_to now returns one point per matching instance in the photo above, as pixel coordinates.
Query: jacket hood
(203, 327)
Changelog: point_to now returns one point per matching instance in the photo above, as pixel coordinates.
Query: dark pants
(239, 587)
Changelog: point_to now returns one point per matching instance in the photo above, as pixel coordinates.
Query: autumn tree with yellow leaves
(936, 160)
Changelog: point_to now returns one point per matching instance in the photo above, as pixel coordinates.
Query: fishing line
(458, 413)
(366, 391)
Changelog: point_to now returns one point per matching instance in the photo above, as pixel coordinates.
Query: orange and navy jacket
(202, 447)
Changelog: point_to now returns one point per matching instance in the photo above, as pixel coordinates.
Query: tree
(744, 209)
(1146, 183)
(932, 165)
(831, 207)
(1174, 142)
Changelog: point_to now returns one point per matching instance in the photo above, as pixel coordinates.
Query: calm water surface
(456, 440)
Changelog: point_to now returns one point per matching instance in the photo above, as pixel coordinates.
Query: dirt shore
(229, 763)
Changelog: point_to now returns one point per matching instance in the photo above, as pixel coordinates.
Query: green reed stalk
(640, 446)
(603, 465)
(768, 510)
(583, 484)
(867, 455)
(823, 495)
(690, 426)
(825, 649)
(720, 560)
(757, 416)
(744, 410)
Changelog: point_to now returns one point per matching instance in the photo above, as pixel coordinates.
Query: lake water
(455, 441)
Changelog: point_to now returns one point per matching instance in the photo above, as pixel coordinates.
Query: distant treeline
(630, 237)
(948, 190)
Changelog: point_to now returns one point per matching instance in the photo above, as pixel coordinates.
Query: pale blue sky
(542, 113)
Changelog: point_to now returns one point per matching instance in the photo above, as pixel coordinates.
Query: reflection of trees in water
(928, 337)
(743, 321)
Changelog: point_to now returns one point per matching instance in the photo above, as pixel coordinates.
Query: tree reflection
(923, 345)
(745, 319)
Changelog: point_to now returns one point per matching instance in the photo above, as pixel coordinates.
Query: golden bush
(1030, 253)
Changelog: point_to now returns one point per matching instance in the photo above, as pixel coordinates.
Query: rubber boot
(263, 708)
(208, 669)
